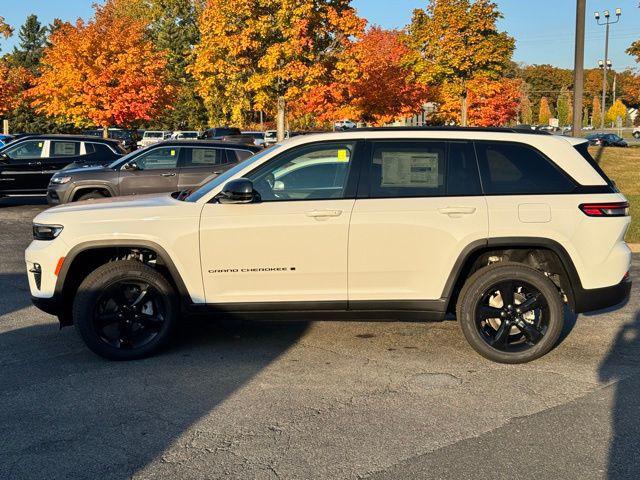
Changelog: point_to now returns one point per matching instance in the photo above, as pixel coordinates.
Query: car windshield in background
(207, 187)
(129, 156)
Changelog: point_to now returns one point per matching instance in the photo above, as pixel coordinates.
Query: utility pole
(578, 69)
(606, 22)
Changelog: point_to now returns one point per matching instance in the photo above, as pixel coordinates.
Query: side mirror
(131, 166)
(4, 157)
(237, 191)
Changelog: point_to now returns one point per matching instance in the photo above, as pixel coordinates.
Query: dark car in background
(128, 138)
(219, 132)
(607, 140)
(4, 139)
(168, 166)
(27, 164)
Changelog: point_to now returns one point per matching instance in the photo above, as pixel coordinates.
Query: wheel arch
(475, 251)
(82, 189)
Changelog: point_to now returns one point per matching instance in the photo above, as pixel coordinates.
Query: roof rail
(454, 128)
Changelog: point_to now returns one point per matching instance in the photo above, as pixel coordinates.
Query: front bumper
(588, 300)
(52, 305)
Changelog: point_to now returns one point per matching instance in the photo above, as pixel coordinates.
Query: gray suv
(163, 167)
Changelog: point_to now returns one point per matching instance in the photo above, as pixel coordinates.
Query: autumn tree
(256, 55)
(596, 109)
(526, 107)
(371, 82)
(455, 41)
(5, 29)
(564, 108)
(545, 81)
(629, 84)
(12, 84)
(494, 103)
(544, 112)
(617, 110)
(634, 50)
(104, 72)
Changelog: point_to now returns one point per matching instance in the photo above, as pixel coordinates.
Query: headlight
(60, 180)
(46, 232)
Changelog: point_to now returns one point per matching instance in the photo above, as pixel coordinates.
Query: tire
(91, 196)
(507, 334)
(118, 322)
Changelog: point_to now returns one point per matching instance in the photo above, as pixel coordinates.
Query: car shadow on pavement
(66, 413)
(618, 366)
(21, 201)
(14, 292)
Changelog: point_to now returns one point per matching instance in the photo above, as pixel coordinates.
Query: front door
(156, 171)
(21, 168)
(291, 245)
(418, 206)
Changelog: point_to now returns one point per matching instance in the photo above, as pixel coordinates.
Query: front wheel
(510, 313)
(125, 310)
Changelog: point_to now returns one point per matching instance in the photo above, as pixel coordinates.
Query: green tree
(544, 112)
(455, 41)
(562, 108)
(545, 81)
(33, 39)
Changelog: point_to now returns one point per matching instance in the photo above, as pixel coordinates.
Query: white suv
(497, 227)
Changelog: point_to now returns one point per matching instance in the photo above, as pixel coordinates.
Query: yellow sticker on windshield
(173, 153)
(342, 155)
(40, 145)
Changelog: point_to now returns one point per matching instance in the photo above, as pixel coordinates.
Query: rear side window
(203, 157)
(423, 169)
(64, 149)
(514, 169)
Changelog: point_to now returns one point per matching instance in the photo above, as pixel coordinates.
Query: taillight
(617, 209)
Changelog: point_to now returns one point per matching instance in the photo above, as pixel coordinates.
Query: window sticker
(343, 155)
(40, 144)
(409, 169)
(173, 153)
(203, 155)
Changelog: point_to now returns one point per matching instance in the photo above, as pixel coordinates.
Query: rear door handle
(34, 163)
(324, 213)
(168, 174)
(457, 210)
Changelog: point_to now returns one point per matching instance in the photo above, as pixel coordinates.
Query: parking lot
(310, 400)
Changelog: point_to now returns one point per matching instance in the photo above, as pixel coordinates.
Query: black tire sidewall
(90, 290)
(478, 284)
(90, 196)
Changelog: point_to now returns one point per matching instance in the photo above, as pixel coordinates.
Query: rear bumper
(588, 300)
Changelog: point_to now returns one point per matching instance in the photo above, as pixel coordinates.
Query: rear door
(21, 167)
(157, 172)
(419, 205)
(198, 165)
(61, 153)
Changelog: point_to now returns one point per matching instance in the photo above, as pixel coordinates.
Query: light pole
(606, 22)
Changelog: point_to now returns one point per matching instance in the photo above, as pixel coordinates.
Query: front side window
(26, 150)
(64, 149)
(513, 169)
(158, 159)
(316, 172)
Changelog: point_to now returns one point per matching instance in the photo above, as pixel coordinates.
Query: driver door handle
(457, 210)
(168, 174)
(323, 213)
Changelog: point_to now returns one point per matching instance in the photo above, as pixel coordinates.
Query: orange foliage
(370, 83)
(13, 81)
(104, 72)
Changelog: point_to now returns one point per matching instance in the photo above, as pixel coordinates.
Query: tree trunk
(281, 118)
(105, 132)
(463, 109)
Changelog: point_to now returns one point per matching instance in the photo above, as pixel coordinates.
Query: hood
(153, 200)
(78, 168)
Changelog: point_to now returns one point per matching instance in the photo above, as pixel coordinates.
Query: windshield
(153, 134)
(208, 187)
(129, 156)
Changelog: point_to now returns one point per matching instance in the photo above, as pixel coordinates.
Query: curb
(635, 247)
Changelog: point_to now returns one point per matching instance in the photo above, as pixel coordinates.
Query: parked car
(258, 137)
(636, 132)
(501, 227)
(153, 136)
(27, 164)
(185, 135)
(219, 132)
(271, 137)
(162, 167)
(344, 125)
(4, 139)
(607, 140)
(588, 127)
(127, 138)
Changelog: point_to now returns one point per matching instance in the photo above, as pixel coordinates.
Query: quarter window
(317, 172)
(203, 157)
(64, 149)
(511, 168)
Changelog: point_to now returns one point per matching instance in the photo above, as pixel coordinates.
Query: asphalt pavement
(311, 400)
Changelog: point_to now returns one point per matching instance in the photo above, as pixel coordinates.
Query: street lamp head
(606, 14)
(609, 64)
(597, 15)
(600, 64)
(618, 12)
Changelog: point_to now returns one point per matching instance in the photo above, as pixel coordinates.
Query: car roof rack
(454, 128)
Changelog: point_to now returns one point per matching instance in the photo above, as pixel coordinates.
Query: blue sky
(544, 29)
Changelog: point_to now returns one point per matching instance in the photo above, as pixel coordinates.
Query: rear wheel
(125, 310)
(510, 313)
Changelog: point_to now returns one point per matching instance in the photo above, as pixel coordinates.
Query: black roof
(81, 138)
(454, 128)
(209, 143)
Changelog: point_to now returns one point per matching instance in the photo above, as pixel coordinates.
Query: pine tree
(545, 112)
(33, 38)
(596, 119)
(562, 108)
